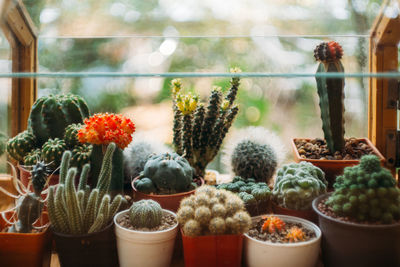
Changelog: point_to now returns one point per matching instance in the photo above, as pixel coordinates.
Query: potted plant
(145, 234)
(24, 236)
(334, 153)
(360, 220)
(81, 219)
(212, 225)
(296, 186)
(52, 127)
(282, 241)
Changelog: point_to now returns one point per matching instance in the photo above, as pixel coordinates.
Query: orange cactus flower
(104, 128)
(272, 223)
(295, 234)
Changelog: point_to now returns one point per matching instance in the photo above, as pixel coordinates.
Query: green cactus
(52, 151)
(83, 210)
(81, 155)
(145, 213)
(50, 115)
(207, 212)
(32, 157)
(20, 145)
(297, 184)
(331, 94)
(71, 135)
(366, 192)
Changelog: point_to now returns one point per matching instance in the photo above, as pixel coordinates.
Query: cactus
(145, 213)
(81, 155)
(83, 210)
(295, 234)
(366, 192)
(199, 131)
(272, 224)
(212, 211)
(297, 184)
(20, 145)
(169, 173)
(52, 151)
(32, 157)
(331, 94)
(71, 134)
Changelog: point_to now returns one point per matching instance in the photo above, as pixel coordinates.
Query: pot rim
(335, 161)
(162, 196)
(83, 235)
(317, 200)
(145, 232)
(304, 222)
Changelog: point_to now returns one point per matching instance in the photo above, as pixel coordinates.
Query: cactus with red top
(272, 224)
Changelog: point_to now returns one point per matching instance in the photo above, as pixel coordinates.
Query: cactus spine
(331, 94)
(52, 151)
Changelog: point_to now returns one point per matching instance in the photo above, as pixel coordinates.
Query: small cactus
(52, 151)
(20, 145)
(81, 155)
(295, 234)
(272, 224)
(32, 157)
(71, 134)
(145, 213)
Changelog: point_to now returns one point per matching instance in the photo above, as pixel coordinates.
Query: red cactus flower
(331, 51)
(272, 223)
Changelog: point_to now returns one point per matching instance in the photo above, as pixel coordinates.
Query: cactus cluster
(273, 224)
(366, 192)
(198, 130)
(82, 210)
(331, 94)
(248, 190)
(297, 184)
(145, 213)
(213, 212)
(166, 173)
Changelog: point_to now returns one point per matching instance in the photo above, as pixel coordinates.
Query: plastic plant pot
(301, 254)
(17, 249)
(348, 244)
(95, 249)
(212, 250)
(139, 248)
(168, 202)
(304, 214)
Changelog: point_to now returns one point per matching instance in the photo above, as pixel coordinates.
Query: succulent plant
(20, 145)
(331, 94)
(32, 157)
(52, 151)
(272, 224)
(366, 192)
(297, 184)
(145, 213)
(295, 234)
(71, 134)
(81, 155)
(213, 211)
(168, 173)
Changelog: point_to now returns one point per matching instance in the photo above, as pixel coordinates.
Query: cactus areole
(331, 94)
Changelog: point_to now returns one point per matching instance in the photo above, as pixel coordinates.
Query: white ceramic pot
(303, 254)
(150, 249)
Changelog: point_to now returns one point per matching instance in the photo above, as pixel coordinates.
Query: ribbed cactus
(71, 134)
(297, 184)
(32, 157)
(213, 211)
(145, 213)
(366, 192)
(81, 155)
(50, 115)
(20, 145)
(52, 151)
(331, 94)
(82, 210)
(199, 131)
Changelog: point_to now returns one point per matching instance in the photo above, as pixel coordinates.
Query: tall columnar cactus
(145, 213)
(297, 184)
(331, 94)
(50, 115)
(198, 135)
(213, 211)
(366, 192)
(20, 145)
(82, 210)
(52, 151)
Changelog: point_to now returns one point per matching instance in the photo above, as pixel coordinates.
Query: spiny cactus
(32, 157)
(331, 94)
(295, 234)
(83, 210)
(213, 211)
(199, 131)
(366, 192)
(81, 155)
(52, 151)
(145, 213)
(272, 224)
(20, 145)
(297, 184)
(71, 134)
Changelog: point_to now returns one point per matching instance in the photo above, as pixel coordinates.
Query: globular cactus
(297, 184)
(71, 134)
(50, 115)
(272, 224)
(145, 213)
(32, 157)
(366, 192)
(213, 211)
(331, 94)
(295, 234)
(81, 155)
(20, 145)
(52, 151)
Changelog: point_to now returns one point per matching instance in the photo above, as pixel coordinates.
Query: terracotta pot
(25, 177)
(348, 244)
(168, 202)
(95, 249)
(333, 168)
(212, 250)
(18, 250)
(305, 214)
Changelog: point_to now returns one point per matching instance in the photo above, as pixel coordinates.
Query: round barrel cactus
(71, 134)
(32, 157)
(81, 155)
(52, 151)
(20, 145)
(51, 114)
(145, 213)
